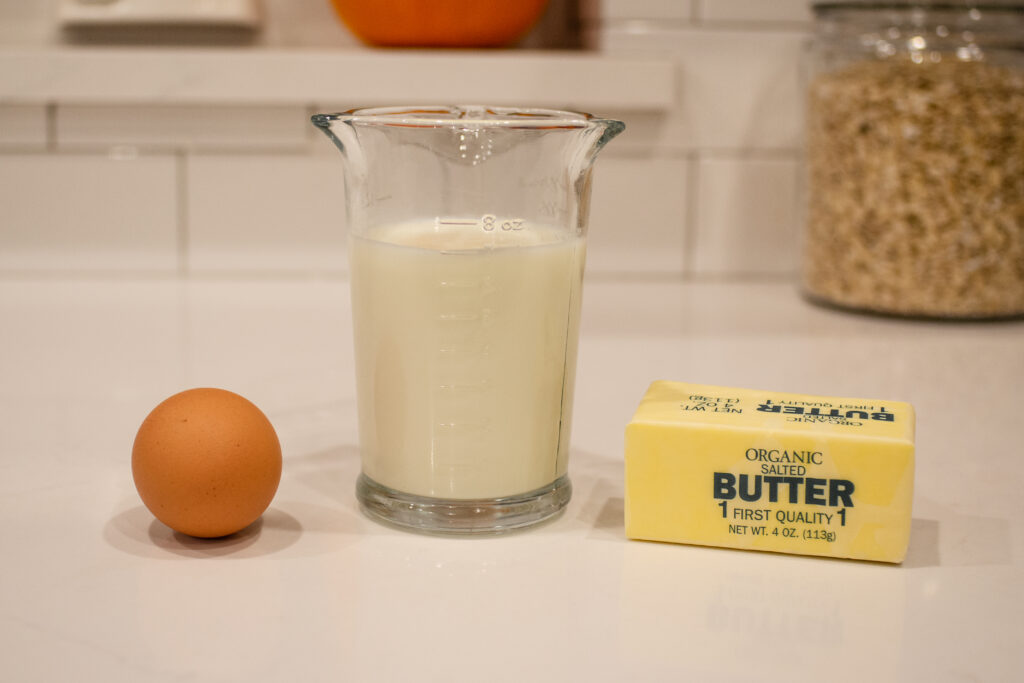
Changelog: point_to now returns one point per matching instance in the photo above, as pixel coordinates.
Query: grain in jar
(915, 161)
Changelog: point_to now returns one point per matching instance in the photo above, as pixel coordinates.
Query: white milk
(465, 345)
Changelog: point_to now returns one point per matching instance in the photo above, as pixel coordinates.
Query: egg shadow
(137, 532)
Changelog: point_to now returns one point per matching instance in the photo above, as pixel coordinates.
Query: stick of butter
(757, 470)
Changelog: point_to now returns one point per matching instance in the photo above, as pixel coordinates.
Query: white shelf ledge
(94, 75)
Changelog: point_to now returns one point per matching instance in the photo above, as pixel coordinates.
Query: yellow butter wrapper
(757, 470)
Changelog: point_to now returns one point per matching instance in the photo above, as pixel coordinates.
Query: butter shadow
(610, 520)
(923, 550)
(960, 541)
(603, 509)
(604, 512)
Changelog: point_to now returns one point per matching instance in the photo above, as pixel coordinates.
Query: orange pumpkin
(439, 23)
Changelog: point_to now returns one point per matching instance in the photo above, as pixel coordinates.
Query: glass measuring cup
(467, 243)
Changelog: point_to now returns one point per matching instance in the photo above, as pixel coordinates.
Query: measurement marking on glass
(464, 426)
(456, 351)
(488, 223)
(463, 316)
(482, 385)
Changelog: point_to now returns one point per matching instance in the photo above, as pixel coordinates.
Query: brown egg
(206, 462)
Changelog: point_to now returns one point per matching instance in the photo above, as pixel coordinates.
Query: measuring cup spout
(604, 130)
(592, 140)
(338, 128)
(464, 163)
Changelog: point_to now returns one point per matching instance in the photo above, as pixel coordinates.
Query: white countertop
(93, 589)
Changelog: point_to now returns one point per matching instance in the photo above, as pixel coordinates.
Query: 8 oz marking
(489, 222)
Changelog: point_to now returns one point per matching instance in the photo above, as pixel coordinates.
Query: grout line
(779, 277)
(51, 127)
(750, 153)
(181, 196)
(304, 277)
(213, 149)
(769, 26)
(697, 10)
(799, 214)
(690, 219)
(698, 24)
(655, 151)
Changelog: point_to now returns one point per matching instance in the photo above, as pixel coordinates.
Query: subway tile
(281, 213)
(735, 89)
(615, 10)
(755, 11)
(271, 212)
(304, 25)
(88, 213)
(638, 216)
(186, 126)
(746, 216)
(23, 125)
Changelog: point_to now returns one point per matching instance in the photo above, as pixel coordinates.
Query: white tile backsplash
(88, 213)
(745, 218)
(23, 125)
(638, 216)
(261, 212)
(754, 11)
(736, 89)
(703, 181)
(182, 126)
(617, 10)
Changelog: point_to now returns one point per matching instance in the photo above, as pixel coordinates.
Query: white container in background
(84, 13)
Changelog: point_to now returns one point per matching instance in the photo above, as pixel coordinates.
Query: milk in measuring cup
(466, 352)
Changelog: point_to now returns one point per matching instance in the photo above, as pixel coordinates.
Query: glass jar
(915, 159)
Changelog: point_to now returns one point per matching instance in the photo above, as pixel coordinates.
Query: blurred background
(172, 137)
